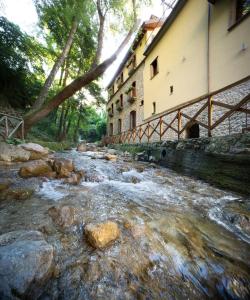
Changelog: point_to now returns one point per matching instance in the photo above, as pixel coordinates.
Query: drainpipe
(208, 71)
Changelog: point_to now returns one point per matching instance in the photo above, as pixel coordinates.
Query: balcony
(131, 95)
(110, 113)
(119, 106)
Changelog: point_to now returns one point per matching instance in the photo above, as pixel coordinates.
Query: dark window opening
(154, 67)
(242, 8)
(119, 125)
(122, 77)
(134, 89)
(132, 119)
(112, 108)
(154, 108)
(142, 102)
(111, 129)
(171, 89)
(193, 131)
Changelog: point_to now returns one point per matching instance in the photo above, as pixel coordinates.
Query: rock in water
(25, 264)
(111, 157)
(101, 235)
(82, 147)
(63, 167)
(64, 216)
(36, 151)
(35, 168)
(13, 153)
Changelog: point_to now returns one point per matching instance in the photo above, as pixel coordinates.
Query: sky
(23, 13)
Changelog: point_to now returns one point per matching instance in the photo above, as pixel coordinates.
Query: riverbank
(223, 161)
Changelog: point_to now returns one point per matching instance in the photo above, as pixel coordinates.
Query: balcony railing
(119, 106)
(131, 95)
(110, 113)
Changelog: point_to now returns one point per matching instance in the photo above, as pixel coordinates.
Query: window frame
(153, 73)
(234, 21)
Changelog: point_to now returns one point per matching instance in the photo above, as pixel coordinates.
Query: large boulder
(36, 151)
(101, 235)
(63, 167)
(82, 147)
(35, 168)
(13, 153)
(25, 264)
(111, 157)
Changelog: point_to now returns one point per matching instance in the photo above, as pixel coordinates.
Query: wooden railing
(9, 125)
(173, 124)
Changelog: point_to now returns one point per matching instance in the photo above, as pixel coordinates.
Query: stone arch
(192, 130)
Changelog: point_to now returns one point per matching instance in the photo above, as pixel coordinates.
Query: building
(126, 99)
(196, 75)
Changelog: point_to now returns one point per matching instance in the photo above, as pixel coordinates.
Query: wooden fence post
(6, 127)
(179, 123)
(209, 120)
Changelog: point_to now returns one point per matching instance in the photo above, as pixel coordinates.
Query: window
(111, 129)
(132, 119)
(242, 8)
(134, 89)
(142, 103)
(154, 108)
(171, 89)
(112, 108)
(119, 125)
(154, 69)
(122, 77)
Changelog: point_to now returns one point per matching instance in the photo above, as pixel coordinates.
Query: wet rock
(101, 235)
(141, 156)
(16, 193)
(13, 153)
(238, 288)
(82, 147)
(64, 216)
(112, 151)
(75, 178)
(4, 186)
(36, 151)
(25, 264)
(63, 167)
(111, 157)
(35, 169)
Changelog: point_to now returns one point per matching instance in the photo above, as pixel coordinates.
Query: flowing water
(180, 237)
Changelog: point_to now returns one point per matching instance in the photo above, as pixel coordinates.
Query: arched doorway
(193, 131)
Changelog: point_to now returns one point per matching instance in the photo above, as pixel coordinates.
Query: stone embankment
(223, 161)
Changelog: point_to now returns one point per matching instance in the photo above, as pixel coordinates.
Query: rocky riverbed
(124, 230)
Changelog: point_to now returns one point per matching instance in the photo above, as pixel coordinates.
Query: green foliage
(14, 141)
(20, 65)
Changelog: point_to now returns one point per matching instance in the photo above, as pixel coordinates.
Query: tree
(95, 70)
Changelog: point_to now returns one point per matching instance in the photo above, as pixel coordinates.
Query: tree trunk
(94, 73)
(44, 92)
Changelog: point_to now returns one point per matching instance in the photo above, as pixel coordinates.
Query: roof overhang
(170, 19)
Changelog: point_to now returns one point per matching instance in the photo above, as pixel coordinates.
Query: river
(180, 238)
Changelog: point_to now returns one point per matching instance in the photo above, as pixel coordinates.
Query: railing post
(179, 123)
(140, 134)
(209, 117)
(160, 128)
(148, 132)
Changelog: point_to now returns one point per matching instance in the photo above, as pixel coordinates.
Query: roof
(170, 19)
(148, 25)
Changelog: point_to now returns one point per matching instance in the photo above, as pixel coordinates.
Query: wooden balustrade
(178, 121)
(9, 125)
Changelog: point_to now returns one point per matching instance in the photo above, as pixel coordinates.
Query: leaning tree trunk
(44, 92)
(32, 117)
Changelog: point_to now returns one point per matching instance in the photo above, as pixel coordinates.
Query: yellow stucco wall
(182, 61)
(228, 62)
(182, 56)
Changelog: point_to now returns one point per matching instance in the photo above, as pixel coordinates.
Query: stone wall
(223, 161)
(124, 115)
